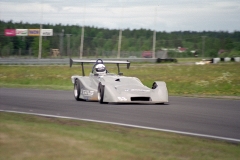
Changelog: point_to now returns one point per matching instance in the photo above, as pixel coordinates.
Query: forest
(104, 42)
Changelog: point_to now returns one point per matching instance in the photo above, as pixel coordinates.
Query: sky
(159, 15)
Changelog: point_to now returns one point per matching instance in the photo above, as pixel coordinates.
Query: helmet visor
(101, 69)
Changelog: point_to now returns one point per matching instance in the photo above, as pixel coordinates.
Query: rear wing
(98, 61)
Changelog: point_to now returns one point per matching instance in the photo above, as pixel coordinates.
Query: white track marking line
(129, 125)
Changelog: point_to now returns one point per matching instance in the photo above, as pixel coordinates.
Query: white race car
(106, 87)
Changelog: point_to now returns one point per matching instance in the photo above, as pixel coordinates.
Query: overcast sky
(162, 15)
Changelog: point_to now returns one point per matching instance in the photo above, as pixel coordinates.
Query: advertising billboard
(33, 32)
(21, 32)
(47, 32)
(28, 32)
(10, 32)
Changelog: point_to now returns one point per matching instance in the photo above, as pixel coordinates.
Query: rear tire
(77, 90)
(154, 85)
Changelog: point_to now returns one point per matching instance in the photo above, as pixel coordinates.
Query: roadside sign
(21, 32)
(47, 32)
(10, 32)
(34, 32)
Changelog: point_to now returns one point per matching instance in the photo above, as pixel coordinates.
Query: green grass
(221, 79)
(33, 137)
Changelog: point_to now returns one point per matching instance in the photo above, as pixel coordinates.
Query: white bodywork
(119, 89)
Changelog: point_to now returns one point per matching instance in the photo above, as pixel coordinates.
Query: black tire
(154, 85)
(77, 90)
(100, 93)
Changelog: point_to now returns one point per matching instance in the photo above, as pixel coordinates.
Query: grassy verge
(208, 80)
(32, 137)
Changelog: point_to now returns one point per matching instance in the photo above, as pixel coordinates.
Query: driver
(100, 69)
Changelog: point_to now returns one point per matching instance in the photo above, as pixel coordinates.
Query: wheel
(100, 93)
(154, 85)
(77, 90)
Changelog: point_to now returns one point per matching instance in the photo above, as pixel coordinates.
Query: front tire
(77, 90)
(100, 93)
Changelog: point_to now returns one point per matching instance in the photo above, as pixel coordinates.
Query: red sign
(10, 32)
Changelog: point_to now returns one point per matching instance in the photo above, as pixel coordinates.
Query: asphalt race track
(206, 116)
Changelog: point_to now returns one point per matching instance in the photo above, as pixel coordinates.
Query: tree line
(105, 41)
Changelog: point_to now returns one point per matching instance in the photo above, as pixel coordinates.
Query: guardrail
(65, 61)
(17, 61)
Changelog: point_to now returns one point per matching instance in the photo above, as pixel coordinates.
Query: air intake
(140, 98)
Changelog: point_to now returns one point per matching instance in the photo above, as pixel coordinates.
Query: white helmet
(100, 69)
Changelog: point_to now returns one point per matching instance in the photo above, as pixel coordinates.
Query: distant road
(206, 116)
